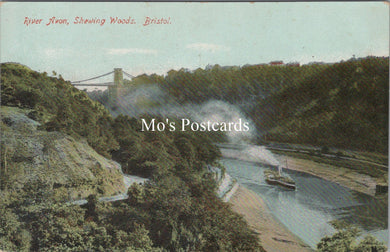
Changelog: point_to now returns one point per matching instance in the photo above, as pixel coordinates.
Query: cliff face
(70, 167)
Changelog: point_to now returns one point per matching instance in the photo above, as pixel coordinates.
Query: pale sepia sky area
(199, 34)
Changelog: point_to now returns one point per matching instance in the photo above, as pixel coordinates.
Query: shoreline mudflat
(274, 236)
(340, 175)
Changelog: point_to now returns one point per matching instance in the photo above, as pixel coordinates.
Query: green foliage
(13, 236)
(156, 153)
(176, 211)
(325, 150)
(342, 105)
(143, 79)
(370, 244)
(186, 217)
(63, 227)
(179, 207)
(57, 105)
(344, 240)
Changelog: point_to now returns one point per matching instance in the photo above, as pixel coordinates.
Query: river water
(307, 211)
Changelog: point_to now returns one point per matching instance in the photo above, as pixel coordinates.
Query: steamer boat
(276, 178)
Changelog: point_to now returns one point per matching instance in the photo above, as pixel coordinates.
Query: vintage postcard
(189, 126)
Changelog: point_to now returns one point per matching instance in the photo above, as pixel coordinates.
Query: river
(308, 210)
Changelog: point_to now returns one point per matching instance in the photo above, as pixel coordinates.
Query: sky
(197, 34)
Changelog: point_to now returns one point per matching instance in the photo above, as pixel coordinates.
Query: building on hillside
(294, 64)
(276, 63)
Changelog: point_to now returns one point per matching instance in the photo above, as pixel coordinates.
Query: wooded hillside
(341, 105)
(178, 210)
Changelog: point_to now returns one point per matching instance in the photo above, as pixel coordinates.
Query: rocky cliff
(68, 166)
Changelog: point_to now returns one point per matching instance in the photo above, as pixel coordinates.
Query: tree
(13, 237)
(91, 207)
(344, 240)
(370, 244)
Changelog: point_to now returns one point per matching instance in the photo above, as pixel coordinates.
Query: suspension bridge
(118, 79)
(115, 88)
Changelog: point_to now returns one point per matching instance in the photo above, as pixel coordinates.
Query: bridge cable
(128, 75)
(95, 84)
(74, 82)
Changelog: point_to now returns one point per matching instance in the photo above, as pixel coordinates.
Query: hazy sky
(198, 34)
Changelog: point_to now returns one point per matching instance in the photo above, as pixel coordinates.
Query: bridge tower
(115, 90)
(118, 77)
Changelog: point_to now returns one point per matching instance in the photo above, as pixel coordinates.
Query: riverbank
(343, 176)
(274, 236)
